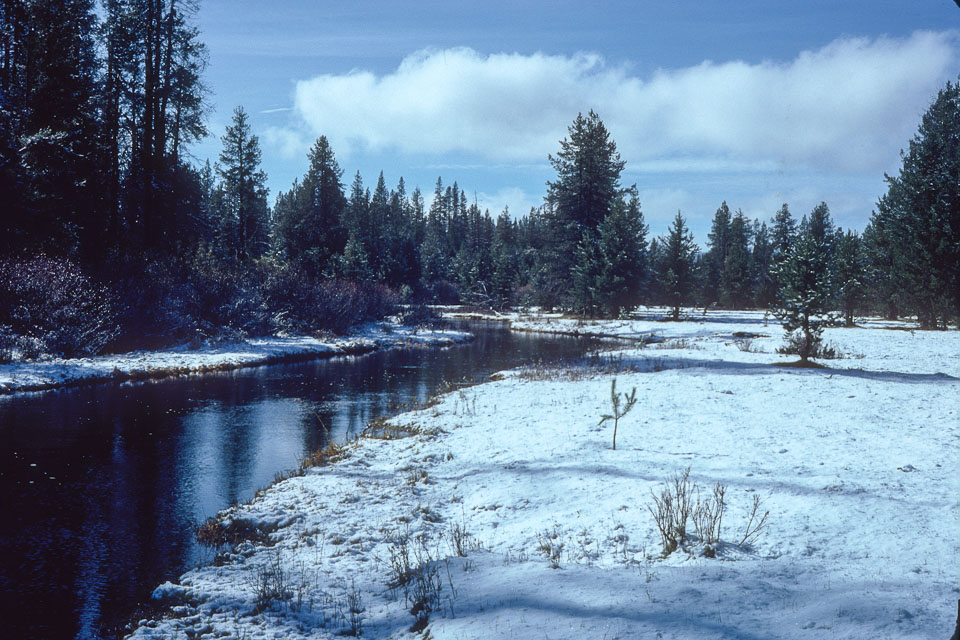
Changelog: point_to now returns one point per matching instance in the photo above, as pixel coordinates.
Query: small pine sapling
(615, 400)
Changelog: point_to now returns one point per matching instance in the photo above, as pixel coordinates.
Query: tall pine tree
(677, 273)
(244, 213)
(919, 216)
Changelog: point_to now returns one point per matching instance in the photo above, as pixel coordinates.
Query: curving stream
(101, 486)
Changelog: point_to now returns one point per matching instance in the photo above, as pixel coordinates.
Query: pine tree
(309, 223)
(919, 216)
(623, 250)
(718, 241)
(375, 241)
(52, 73)
(244, 188)
(354, 264)
(882, 289)
(735, 281)
(154, 105)
(850, 273)
(820, 226)
(588, 169)
(783, 233)
(806, 289)
(587, 272)
(761, 267)
(506, 262)
(677, 266)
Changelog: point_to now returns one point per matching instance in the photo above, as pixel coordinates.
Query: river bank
(54, 373)
(502, 511)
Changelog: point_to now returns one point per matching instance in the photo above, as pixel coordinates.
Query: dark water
(100, 486)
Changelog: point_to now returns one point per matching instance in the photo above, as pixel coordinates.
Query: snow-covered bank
(142, 365)
(856, 465)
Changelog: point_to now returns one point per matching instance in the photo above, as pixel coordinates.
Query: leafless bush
(756, 525)
(270, 584)
(671, 511)
(354, 614)
(418, 575)
(708, 514)
(49, 305)
(460, 539)
(400, 567)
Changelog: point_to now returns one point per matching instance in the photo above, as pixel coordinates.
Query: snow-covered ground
(856, 464)
(139, 365)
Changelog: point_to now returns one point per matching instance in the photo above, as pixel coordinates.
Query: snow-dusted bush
(797, 343)
(415, 315)
(48, 305)
(153, 311)
(304, 305)
(224, 296)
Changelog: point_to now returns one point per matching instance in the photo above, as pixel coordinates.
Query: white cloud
(849, 106)
(289, 143)
(519, 201)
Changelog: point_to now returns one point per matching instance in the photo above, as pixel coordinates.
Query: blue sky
(755, 103)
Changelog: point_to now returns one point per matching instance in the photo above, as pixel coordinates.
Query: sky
(755, 103)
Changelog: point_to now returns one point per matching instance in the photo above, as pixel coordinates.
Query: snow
(856, 464)
(140, 365)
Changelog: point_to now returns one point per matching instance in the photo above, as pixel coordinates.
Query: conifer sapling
(615, 400)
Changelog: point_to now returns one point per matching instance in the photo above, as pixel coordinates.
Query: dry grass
(333, 452)
(382, 429)
(217, 533)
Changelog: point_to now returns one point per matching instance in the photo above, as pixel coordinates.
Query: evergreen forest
(113, 238)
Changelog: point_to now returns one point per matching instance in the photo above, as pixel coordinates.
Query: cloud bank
(849, 106)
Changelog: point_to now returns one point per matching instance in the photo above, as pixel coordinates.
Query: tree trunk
(807, 345)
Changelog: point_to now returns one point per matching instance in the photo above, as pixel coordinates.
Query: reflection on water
(100, 486)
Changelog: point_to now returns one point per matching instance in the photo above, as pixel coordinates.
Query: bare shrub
(708, 514)
(460, 539)
(271, 584)
(305, 305)
(756, 524)
(400, 567)
(418, 575)
(417, 476)
(48, 305)
(671, 511)
(354, 613)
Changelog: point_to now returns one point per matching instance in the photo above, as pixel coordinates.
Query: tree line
(106, 214)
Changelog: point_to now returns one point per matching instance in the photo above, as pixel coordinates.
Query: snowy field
(35, 375)
(502, 511)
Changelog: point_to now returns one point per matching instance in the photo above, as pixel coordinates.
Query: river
(101, 486)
